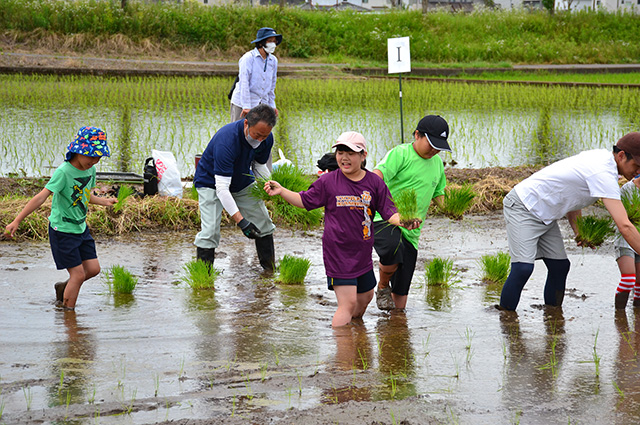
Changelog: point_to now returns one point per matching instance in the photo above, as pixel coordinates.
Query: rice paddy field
(256, 351)
(491, 125)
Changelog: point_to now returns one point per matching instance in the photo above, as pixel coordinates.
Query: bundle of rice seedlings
(199, 275)
(407, 204)
(119, 280)
(457, 201)
(439, 272)
(123, 193)
(592, 230)
(292, 178)
(293, 270)
(631, 202)
(495, 268)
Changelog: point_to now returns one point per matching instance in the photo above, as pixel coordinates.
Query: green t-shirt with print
(402, 169)
(71, 194)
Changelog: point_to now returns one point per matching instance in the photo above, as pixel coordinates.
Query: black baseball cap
(437, 131)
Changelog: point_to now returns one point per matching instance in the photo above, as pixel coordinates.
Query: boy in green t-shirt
(415, 166)
(71, 243)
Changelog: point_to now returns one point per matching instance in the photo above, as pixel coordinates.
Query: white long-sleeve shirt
(257, 82)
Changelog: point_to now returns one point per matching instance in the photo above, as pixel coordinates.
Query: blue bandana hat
(90, 141)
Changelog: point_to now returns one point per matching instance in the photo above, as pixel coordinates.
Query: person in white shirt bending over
(534, 206)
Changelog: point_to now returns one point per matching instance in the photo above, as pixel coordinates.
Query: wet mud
(254, 351)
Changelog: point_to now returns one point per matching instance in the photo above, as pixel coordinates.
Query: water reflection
(532, 365)
(438, 298)
(72, 362)
(396, 361)
(627, 371)
(353, 353)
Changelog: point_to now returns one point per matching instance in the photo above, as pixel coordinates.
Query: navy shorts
(365, 283)
(71, 249)
(393, 248)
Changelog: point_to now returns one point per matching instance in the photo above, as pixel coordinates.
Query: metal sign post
(399, 57)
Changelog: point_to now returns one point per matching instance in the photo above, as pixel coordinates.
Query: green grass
(495, 268)
(123, 193)
(439, 272)
(407, 204)
(592, 230)
(292, 178)
(512, 36)
(293, 270)
(119, 280)
(198, 275)
(457, 201)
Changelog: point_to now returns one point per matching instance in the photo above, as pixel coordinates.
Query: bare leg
(362, 303)
(400, 300)
(385, 275)
(77, 276)
(347, 300)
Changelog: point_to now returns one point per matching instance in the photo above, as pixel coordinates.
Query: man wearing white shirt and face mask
(257, 75)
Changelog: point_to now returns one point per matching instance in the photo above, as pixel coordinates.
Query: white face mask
(270, 47)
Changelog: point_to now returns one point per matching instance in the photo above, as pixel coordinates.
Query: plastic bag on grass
(169, 183)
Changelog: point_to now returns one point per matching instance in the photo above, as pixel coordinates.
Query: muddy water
(255, 351)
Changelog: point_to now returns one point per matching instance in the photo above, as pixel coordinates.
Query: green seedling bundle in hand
(631, 202)
(293, 270)
(407, 204)
(292, 178)
(457, 201)
(123, 193)
(592, 230)
(200, 275)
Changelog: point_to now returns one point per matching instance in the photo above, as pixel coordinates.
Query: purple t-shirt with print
(349, 207)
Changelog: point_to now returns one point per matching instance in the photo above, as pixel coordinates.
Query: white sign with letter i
(399, 55)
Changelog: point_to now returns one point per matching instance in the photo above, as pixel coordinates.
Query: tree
(549, 5)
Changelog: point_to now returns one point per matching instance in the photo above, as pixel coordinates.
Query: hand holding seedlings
(411, 224)
(273, 188)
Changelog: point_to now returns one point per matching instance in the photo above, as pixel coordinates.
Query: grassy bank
(439, 37)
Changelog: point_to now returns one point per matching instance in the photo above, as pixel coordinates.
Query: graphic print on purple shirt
(347, 241)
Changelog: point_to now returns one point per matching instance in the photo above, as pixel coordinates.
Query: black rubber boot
(266, 252)
(207, 255)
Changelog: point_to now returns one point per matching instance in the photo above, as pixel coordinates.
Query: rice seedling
(439, 272)
(292, 178)
(119, 280)
(123, 193)
(631, 202)
(592, 230)
(200, 275)
(457, 200)
(495, 268)
(407, 204)
(28, 396)
(293, 270)
(596, 357)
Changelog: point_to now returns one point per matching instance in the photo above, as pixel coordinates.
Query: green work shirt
(402, 168)
(71, 194)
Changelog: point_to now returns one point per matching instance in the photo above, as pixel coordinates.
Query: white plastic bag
(281, 161)
(169, 183)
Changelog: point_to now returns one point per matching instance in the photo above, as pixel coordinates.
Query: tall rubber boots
(266, 252)
(206, 254)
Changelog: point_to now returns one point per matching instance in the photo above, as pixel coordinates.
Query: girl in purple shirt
(351, 196)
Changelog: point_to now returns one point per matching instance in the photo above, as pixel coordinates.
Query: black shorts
(393, 248)
(71, 249)
(365, 283)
